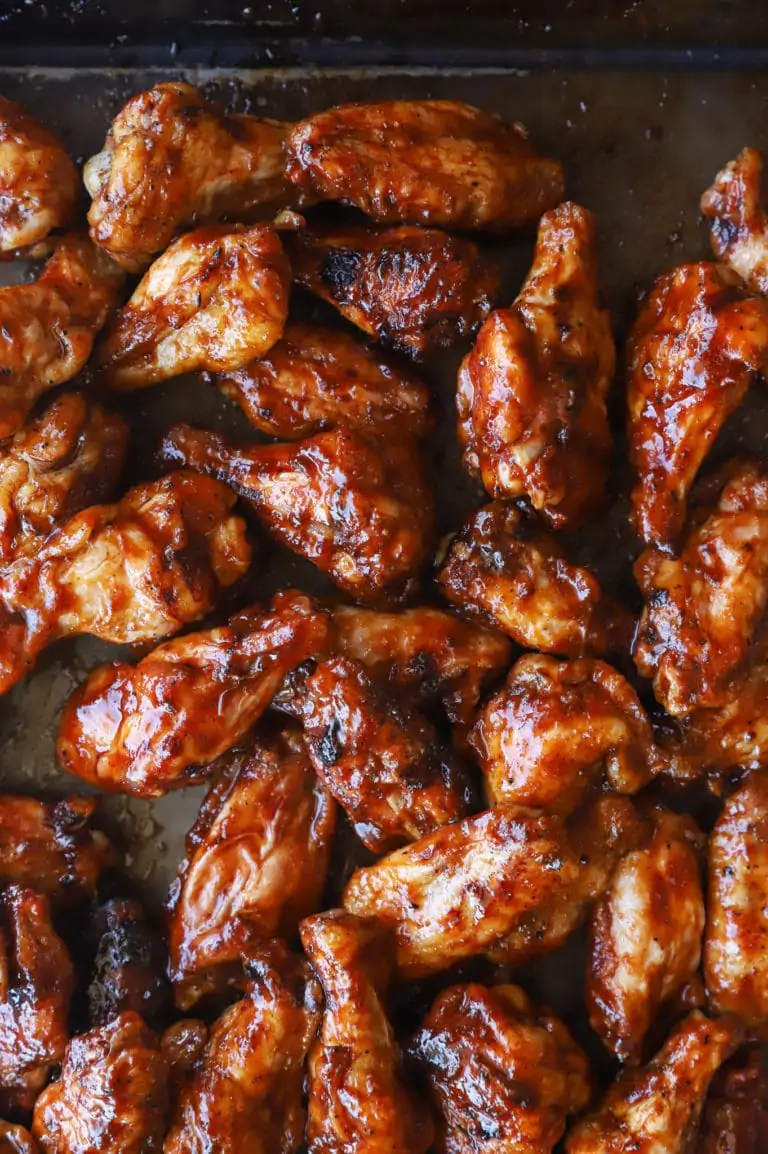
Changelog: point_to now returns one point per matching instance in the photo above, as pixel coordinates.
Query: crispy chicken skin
(558, 729)
(702, 608)
(147, 728)
(736, 1111)
(502, 1073)
(736, 940)
(506, 571)
(432, 162)
(738, 228)
(316, 379)
(135, 571)
(257, 860)
(129, 964)
(512, 880)
(39, 184)
(37, 980)
(172, 159)
(112, 1094)
(531, 393)
(695, 348)
(735, 736)
(47, 328)
(656, 1109)
(217, 298)
(16, 1140)
(360, 511)
(415, 290)
(244, 1095)
(360, 1101)
(646, 934)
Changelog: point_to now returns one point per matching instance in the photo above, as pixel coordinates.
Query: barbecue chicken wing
(316, 379)
(657, 1109)
(703, 607)
(129, 964)
(736, 1111)
(361, 512)
(16, 1140)
(512, 880)
(695, 348)
(134, 571)
(415, 290)
(256, 864)
(112, 1094)
(502, 1074)
(37, 980)
(531, 393)
(735, 736)
(738, 228)
(359, 1099)
(558, 729)
(244, 1095)
(505, 571)
(214, 300)
(172, 160)
(147, 728)
(47, 328)
(39, 184)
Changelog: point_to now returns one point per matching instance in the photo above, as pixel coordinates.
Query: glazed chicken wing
(214, 300)
(735, 736)
(256, 864)
(16, 1140)
(736, 1111)
(531, 393)
(738, 228)
(147, 728)
(361, 512)
(695, 348)
(502, 1073)
(415, 290)
(129, 964)
(359, 1099)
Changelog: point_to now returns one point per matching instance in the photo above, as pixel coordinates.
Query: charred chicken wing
(736, 1111)
(129, 964)
(737, 222)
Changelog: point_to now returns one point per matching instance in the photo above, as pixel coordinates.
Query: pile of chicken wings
(512, 750)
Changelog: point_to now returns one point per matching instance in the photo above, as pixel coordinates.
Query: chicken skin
(172, 159)
(511, 880)
(558, 729)
(736, 1111)
(244, 1095)
(39, 184)
(657, 1109)
(359, 1099)
(738, 228)
(735, 736)
(502, 1074)
(698, 342)
(257, 860)
(16, 1140)
(414, 290)
(135, 571)
(129, 964)
(213, 301)
(145, 729)
(112, 1094)
(360, 511)
(505, 571)
(702, 608)
(316, 379)
(531, 393)
(47, 328)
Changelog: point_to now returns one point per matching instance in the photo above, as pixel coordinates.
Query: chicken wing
(703, 607)
(735, 736)
(37, 980)
(316, 379)
(39, 184)
(112, 1094)
(135, 571)
(558, 729)
(531, 393)
(214, 300)
(694, 350)
(504, 570)
(738, 228)
(257, 860)
(129, 965)
(172, 159)
(361, 512)
(16, 1140)
(657, 1108)
(415, 290)
(147, 728)
(245, 1093)
(502, 1073)
(359, 1098)
(47, 328)
(736, 1111)
(511, 880)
